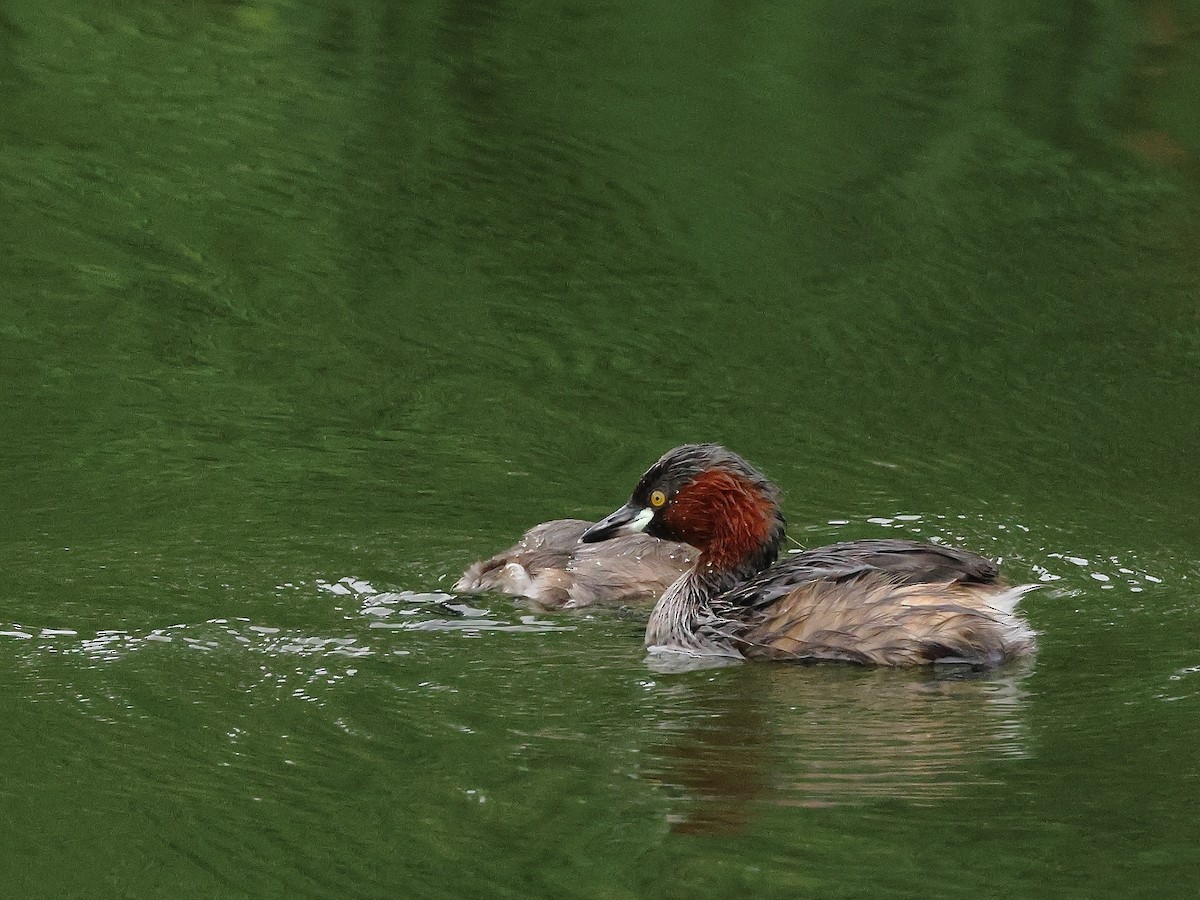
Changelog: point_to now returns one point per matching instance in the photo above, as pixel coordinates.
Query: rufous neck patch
(724, 515)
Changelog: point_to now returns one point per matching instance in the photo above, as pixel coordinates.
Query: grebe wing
(902, 562)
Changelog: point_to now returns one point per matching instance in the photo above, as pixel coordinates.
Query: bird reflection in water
(813, 736)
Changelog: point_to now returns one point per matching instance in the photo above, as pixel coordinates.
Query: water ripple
(363, 628)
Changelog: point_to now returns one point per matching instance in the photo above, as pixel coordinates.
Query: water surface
(304, 306)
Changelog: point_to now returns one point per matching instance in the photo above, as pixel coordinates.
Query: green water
(305, 305)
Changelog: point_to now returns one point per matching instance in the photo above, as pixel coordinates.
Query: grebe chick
(882, 602)
(553, 569)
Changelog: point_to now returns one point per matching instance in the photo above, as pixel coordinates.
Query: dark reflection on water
(820, 735)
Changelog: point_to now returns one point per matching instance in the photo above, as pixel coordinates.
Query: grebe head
(706, 496)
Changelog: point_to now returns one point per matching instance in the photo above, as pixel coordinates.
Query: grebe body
(551, 567)
(882, 602)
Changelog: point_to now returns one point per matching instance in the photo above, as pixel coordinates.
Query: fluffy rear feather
(875, 617)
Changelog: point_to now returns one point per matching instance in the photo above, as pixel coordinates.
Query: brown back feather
(873, 617)
(903, 562)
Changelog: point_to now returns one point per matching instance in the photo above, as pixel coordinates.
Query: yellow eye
(657, 499)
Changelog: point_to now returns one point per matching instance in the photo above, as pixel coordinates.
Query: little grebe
(885, 602)
(553, 569)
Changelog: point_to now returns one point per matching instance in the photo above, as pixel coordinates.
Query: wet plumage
(886, 602)
(553, 569)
